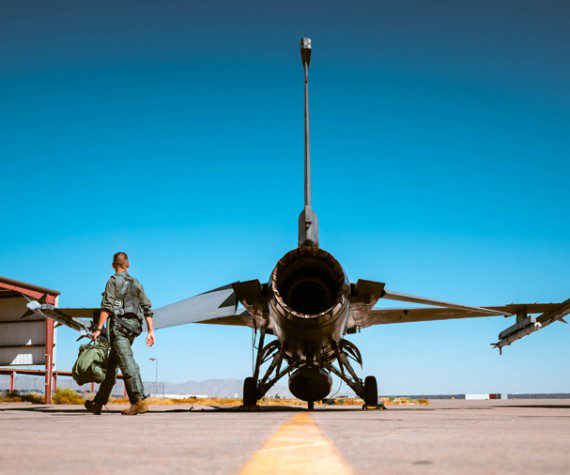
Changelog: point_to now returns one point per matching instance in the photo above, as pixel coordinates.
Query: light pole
(155, 374)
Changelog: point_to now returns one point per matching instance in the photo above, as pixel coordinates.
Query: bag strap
(122, 287)
(121, 284)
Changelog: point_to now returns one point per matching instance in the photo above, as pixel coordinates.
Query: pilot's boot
(139, 407)
(93, 407)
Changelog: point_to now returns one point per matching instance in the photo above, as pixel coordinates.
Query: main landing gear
(371, 394)
(249, 392)
(254, 387)
(367, 389)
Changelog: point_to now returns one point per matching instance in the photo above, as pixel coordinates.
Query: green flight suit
(122, 335)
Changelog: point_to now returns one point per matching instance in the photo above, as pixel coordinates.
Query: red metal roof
(11, 286)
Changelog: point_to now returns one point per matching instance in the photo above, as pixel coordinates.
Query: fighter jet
(310, 307)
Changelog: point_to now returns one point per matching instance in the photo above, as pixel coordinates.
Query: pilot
(126, 303)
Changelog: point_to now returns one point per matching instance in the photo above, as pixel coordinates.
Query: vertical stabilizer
(308, 225)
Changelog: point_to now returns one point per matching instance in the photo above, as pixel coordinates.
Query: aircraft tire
(249, 392)
(370, 391)
(311, 405)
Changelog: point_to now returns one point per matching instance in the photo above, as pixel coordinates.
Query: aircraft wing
(80, 319)
(530, 317)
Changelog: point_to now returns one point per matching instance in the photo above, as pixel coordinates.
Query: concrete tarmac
(513, 436)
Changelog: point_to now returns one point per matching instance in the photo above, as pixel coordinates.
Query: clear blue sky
(173, 130)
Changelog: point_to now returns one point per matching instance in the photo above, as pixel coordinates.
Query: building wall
(22, 341)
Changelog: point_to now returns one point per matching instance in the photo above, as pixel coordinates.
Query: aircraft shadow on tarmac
(197, 409)
(240, 409)
(541, 406)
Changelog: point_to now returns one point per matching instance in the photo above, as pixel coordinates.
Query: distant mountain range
(209, 387)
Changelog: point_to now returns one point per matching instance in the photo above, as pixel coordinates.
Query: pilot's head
(121, 261)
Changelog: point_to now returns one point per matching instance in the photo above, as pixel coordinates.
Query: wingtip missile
(34, 307)
(532, 324)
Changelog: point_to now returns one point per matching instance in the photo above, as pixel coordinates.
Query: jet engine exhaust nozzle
(308, 282)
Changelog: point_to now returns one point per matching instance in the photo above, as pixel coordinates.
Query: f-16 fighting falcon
(311, 308)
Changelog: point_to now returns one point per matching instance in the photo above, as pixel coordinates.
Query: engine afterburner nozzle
(308, 282)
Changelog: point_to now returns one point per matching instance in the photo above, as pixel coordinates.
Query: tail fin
(308, 225)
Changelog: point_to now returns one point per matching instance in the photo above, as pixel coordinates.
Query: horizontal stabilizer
(390, 295)
(218, 306)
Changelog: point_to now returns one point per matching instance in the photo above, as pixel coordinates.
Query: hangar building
(28, 341)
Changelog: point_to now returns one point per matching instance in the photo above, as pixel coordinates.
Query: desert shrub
(67, 396)
(17, 396)
(11, 396)
(35, 398)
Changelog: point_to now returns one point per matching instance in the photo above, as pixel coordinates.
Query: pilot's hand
(95, 335)
(150, 339)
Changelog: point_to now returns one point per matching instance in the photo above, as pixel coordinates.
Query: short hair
(120, 259)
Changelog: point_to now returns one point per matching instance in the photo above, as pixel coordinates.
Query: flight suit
(127, 303)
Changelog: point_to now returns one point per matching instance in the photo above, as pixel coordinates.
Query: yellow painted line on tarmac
(298, 447)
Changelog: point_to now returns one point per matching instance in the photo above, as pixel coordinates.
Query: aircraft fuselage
(308, 311)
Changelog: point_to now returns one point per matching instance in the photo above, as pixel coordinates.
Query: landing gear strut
(367, 390)
(254, 388)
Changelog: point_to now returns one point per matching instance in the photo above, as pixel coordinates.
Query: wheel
(370, 391)
(249, 392)
(311, 405)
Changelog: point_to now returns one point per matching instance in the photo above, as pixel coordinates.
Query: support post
(92, 387)
(55, 380)
(12, 380)
(49, 360)
(50, 343)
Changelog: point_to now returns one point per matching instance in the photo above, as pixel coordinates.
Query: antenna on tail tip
(306, 50)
